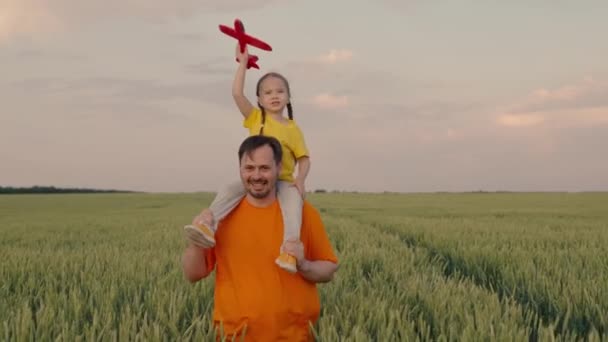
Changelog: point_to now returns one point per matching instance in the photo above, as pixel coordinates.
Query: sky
(400, 96)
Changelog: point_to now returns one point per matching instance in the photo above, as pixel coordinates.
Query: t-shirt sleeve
(299, 144)
(318, 246)
(253, 117)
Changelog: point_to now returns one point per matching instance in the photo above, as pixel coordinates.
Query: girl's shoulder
(252, 118)
(255, 112)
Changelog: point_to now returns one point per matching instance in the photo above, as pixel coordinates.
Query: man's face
(259, 172)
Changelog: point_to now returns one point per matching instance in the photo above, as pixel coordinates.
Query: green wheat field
(440, 267)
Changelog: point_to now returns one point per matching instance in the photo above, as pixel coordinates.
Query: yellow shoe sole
(287, 262)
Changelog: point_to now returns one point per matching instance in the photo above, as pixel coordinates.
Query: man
(252, 295)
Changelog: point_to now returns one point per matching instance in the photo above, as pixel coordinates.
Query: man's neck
(261, 202)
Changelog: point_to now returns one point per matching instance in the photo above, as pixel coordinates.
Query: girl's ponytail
(263, 119)
(290, 111)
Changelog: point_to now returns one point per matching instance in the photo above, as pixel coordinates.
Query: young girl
(273, 97)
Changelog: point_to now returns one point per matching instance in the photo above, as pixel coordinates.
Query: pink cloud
(25, 17)
(336, 55)
(330, 101)
(584, 94)
(580, 103)
(433, 135)
(34, 17)
(521, 120)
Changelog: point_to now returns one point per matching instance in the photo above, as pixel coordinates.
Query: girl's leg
(225, 201)
(291, 208)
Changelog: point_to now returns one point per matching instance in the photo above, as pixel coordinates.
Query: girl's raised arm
(239, 83)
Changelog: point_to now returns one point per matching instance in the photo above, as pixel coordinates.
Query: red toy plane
(238, 32)
(251, 63)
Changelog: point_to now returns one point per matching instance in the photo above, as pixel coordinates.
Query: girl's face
(273, 94)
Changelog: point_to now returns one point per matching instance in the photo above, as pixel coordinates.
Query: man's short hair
(256, 141)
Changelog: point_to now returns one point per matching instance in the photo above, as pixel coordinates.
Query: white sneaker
(200, 235)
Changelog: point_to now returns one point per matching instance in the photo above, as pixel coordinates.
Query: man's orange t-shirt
(250, 289)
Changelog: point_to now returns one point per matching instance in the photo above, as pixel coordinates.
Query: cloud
(238, 5)
(331, 61)
(365, 82)
(522, 120)
(42, 55)
(103, 90)
(25, 17)
(29, 17)
(329, 101)
(336, 56)
(404, 6)
(584, 94)
(192, 36)
(216, 66)
(584, 102)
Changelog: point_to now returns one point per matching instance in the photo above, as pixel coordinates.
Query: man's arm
(194, 261)
(319, 271)
(194, 264)
(315, 271)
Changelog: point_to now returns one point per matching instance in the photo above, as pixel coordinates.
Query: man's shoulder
(241, 208)
(309, 207)
(310, 212)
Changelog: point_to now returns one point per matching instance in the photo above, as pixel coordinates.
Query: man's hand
(319, 271)
(193, 263)
(295, 248)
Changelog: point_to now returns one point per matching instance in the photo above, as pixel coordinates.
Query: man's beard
(258, 194)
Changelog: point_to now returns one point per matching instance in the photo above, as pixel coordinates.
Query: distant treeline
(53, 190)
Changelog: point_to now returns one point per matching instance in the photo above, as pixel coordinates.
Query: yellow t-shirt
(289, 135)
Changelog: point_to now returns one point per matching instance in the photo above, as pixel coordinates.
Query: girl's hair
(257, 92)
